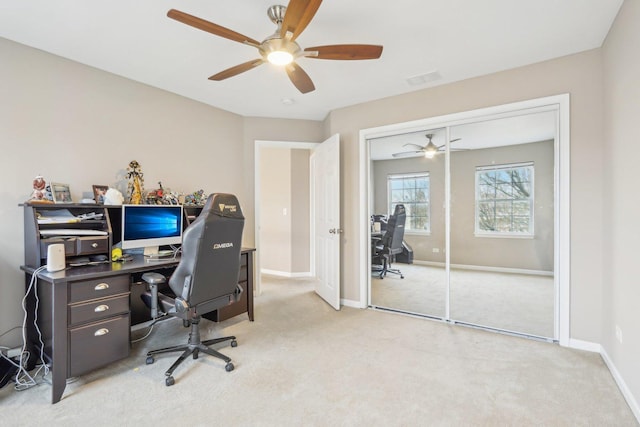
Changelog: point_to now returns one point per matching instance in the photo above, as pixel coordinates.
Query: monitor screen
(151, 226)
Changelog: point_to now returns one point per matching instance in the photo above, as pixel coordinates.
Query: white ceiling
(457, 38)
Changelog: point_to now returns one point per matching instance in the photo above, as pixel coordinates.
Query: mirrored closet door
(478, 242)
(404, 172)
(502, 228)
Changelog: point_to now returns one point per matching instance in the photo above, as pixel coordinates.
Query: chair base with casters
(195, 345)
(386, 268)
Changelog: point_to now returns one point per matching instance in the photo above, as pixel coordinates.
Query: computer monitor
(151, 226)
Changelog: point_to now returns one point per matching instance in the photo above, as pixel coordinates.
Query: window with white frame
(413, 191)
(504, 200)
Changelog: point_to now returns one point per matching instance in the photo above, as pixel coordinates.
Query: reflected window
(413, 191)
(504, 200)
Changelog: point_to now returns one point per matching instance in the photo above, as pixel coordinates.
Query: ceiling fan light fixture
(429, 154)
(280, 57)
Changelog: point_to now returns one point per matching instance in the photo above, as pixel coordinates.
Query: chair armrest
(152, 280)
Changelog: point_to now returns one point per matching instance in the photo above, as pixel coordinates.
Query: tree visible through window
(504, 199)
(412, 190)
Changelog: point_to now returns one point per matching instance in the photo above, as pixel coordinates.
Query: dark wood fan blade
(298, 15)
(408, 154)
(210, 27)
(300, 78)
(346, 51)
(234, 71)
(415, 145)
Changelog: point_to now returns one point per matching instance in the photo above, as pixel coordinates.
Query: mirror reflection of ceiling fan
(427, 151)
(280, 48)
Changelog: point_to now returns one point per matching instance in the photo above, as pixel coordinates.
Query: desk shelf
(38, 218)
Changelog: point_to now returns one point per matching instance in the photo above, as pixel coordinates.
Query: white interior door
(325, 189)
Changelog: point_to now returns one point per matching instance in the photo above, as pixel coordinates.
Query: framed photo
(98, 193)
(61, 193)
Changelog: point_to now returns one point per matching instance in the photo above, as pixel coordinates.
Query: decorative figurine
(136, 182)
(41, 191)
(39, 185)
(196, 198)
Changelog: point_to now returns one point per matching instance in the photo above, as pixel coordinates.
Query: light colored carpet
(302, 363)
(512, 302)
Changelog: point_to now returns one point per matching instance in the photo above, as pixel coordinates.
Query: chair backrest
(392, 239)
(211, 245)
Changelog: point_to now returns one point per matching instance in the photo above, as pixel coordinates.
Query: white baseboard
(628, 396)
(597, 348)
(487, 268)
(351, 303)
(285, 273)
(585, 345)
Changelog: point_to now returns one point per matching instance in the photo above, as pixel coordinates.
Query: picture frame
(98, 193)
(61, 193)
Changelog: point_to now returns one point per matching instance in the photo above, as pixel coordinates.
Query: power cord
(156, 320)
(24, 379)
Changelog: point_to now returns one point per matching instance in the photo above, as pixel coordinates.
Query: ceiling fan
(280, 48)
(428, 150)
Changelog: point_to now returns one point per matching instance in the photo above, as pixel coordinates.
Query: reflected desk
(85, 313)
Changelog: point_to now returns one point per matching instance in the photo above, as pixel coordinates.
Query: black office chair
(384, 249)
(205, 280)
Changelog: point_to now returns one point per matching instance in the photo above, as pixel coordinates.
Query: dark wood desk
(85, 313)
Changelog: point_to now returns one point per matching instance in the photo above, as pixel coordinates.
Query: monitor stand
(150, 251)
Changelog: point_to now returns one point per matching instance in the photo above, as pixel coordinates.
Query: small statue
(136, 182)
(196, 198)
(41, 191)
(39, 186)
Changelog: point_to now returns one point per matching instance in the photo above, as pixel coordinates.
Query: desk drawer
(98, 309)
(69, 245)
(92, 245)
(98, 288)
(98, 344)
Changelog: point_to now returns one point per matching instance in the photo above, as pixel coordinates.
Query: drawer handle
(94, 245)
(100, 332)
(101, 286)
(101, 307)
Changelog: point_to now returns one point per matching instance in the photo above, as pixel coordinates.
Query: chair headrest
(223, 204)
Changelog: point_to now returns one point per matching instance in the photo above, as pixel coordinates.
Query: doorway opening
(282, 209)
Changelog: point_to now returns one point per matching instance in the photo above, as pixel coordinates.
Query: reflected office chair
(384, 249)
(205, 280)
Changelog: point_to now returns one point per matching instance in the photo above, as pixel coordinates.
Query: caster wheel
(402, 277)
(229, 367)
(150, 360)
(169, 381)
(185, 323)
(234, 343)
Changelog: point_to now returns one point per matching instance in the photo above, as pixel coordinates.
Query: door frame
(259, 145)
(562, 199)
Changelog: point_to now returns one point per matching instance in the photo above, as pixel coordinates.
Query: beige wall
(621, 293)
(466, 248)
(300, 211)
(256, 129)
(275, 209)
(284, 237)
(579, 75)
